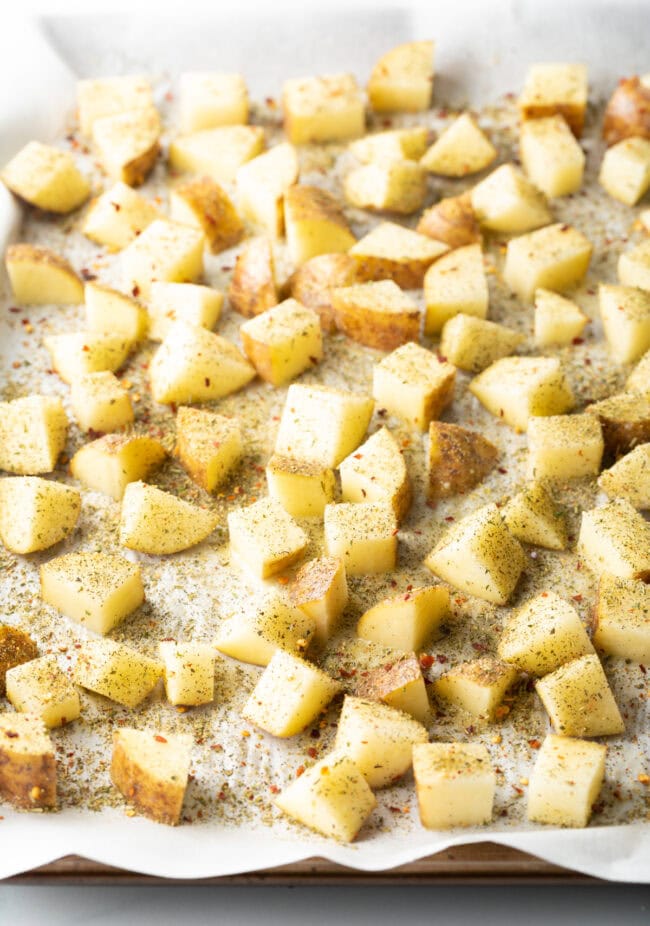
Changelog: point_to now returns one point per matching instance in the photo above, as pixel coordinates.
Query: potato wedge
(457, 460)
(379, 315)
(204, 204)
(253, 288)
(38, 276)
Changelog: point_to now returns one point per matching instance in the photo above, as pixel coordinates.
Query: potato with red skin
(628, 111)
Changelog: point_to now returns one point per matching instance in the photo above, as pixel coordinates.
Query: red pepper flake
(393, 583)
(207, 381)
(502, 469)
(441, 658)
(11, 734)
(576, 598)
(358, 456)
(300, 771)
(450, 518)
(14, 309)
(88, 275)
(274, 789)
(577, 341)
(221, 795)
(347, 673)
(159, 739)
(479, 647)
(312, 752)
(426, 660)
(534, 744)
(135, 291)
(643, 668)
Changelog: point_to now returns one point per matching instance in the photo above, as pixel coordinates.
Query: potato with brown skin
(203, 203)
(451, 221)
(457, 460)
(625, 420)
(16, 648)
(253, 287)
(399, 684)
(377, 314)
(27, 762)
(312, 284)
(151, 771)
(628, 111)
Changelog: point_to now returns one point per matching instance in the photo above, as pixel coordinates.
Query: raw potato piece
(283, 341)
(111, 312)
(398, 684)
(555, 257)
(27, 762)
(628, 111)
(506, 201)
(322, 109)
(379, 315)
(36, 513)
(118, 217)
(477, 687)
(209, 446)
(625, 312)
(189, 672)
(257, 632)
(100, 403)
(552, 89)
(402, 79)
(74, 355)
(634, 266)
(165, 251)
(217, 153)
(363, 535)
(391, 186)
(16, 647)
(451, 221)
(289, 695)
(461, 149)
(629, 477)
(533, 517)
(209, 99)
(320, 589)
(557, 320)
(202, 203)
(625, 420)
(621, 619)
(47, 178)
(579, 701)
(455, 283)
(253, 288)
(128, 144)
(156, 522)
(262, 184)
(110, 463)
(38, 276)
(109, 96)
(455, 784)
(303, 488)
(313, 283)
(625, 170)
(551, 156)
(186, 302)
(616, 539)
(479, 556)
(117, 672)
(564, 447)
(315, 224)
(566, 781)
(639, 378)
(98, 590)
(392, 145)
(151, 771)
(33, 432)
(39, 687)
(408, 621)
(457, 460)
(332, 797)
(378, 739)
(392, 252)
(473, 343)
(376, 472)
(265, 538)
(413, 384)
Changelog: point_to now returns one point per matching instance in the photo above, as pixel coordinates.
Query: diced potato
(391, 145)
(189, 672)
(625, 313)
(262, 184)
(479, 556)
(151, 771)
(615, 539)
(209, 99)
(36, 513)
(255, 633)
(578, 699)
(111, 312)
(626, 114)
(47, 178)
(153, 521)
(477, 687)
(16, 647)
(302, 487)
(413, 384)
(558, 321)
(473, 343)
(202, 203)
(321, 109)
(634, 266)
(128, 144)
(313, 283)
(565, 781)
(516, 389)
(402, 79)
(315, 224)
(461, 149)
(81, 352)
(265, 538)
(391, 186)
(455, 784)
(118, 216)
(409, 621)
(253, 288)
(110, 463)
(621, 618)
(27, 762)
(216, 153)
(457, 460)
(392, 252)
(451, 221)
(283, 341)
(506, 201)
(564, 447)
(208, 445)
(289, 695)
(379, 314)
(639, 378)
(555, 89)
(186, 302)
(109, 96)
(117, 671)
(455, 284)
(625, 170)
(551, 156)
(97, 590)
(194, 365)
(320, 589)
(399, 684)
(363, 535)
(378, 739)
(33, 432)
(376, 472)
(39, 687)
(533, 517)
(38, 276)
(332, 797)
(625, 420)
(165, 251)
(322, 424)
(629, 477)
(555, 257)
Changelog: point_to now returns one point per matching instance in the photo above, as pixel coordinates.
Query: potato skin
(312, 284)
(458, 459)
(253, 288)
(381, 330)
(160, 803)
(625, 429)
(628, 112)
(381, 681)
(16, 648)
(221, 224)
(28, 781)
(452, 221)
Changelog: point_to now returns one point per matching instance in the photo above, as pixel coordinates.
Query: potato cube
(110, 463)
(265, 538)
(451, 221)
(555, 89)
(202, 203)
(27, 762)
(128, 144)
(33, 432)
(506, 201)
(153, 521)
(38, 276)
(533, 517)
(634, 266)
(625, 170)
(118, 216)
(376, 472)
(302, 487)
(461, 149)
(473, 343)
(289, 695)
(189, 672)
(477, 687)
(457, 460)
(578, 699)
(402, 79)
(97, 590)
(320, 589)
(110, 96)
(625, 420)
(564, 447)
(557, 320)
(621, 618)
(639, 378)
(313, 284)
(565, 781)
(186, 302)
(455, 284)
(16, 647)
(36, 513)
(209, 446)
(625, 313)
(378, 739)
(455, 784)
(322, 109)
(379, 315)
(151, 771)
(388, 186)
(165, 251)
(253, 288)
(322, 424)
(209, 99)
(392, 252)
(283, 341)
(315, 224)
(616, 539)
(39, 687)
(111, 312)
(629, 477)
(117, 672)
(81, 352)
(392, 145)
(100, 403)
(216, 153)
(332, 797)
(398, 683)
(258, 631)
(626, 114)
(363, 535)
(413, 384)
(551, 156)
(407, 622)
(516, 389)
(555, 257)
(47, 178)
(262, 185)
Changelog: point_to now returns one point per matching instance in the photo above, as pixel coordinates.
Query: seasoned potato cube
(320, 589)
(398, 683)
(455, 784)
(392, 252)
(479, 556)
(392, 145)
(578, 699)
(626, 114)
(457, 460)
(555, 257)
(151, 771)
(208, 445)
(378, 739)
(625, 170)
(321, 109)
(551, 156)
(616, 539)
(47, 178)
(39, 687)
(533, 517)
(379, 315)
(216, 153)
(165, 251)
(209, 99)
(109, 96)
(451, 221)
(564, 447)
(474, 343)
(33, 432)
(255, 633)
(322, 424)
(363, 535)
(253, 289)
(302, 487)
(189, 672)
(625, 420)
(27, 762)
(262, 184)
(36, 513)
(409, 621)
(332, 797)
(38, 276)
(153, 521)
(376, 472)
(413, 384)
(621, 618)
(639, 378)
(289, 695)
(557, 320)
(283, 341)
(516, 389)
(625, 313)
(477, 687)
(391, 186)
(402, 79)
(81, 352)
(16, 647)
(128, 144)
(634, 266)
(110, 463)
(461, 149)
(315, 224)
(455, 283)
(265, 538)
(313, 283)
(203, 204)
(186, 302)
(98, 590)
(118, 216)
(111, 312)
(506, 201)
(565, 781)
(117, 671)
(555, 89)
(629, 477)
